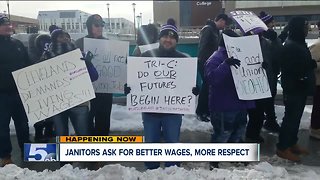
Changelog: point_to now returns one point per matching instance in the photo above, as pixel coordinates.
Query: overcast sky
(117, 8)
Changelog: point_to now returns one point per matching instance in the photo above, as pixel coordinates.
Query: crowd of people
(233, 120)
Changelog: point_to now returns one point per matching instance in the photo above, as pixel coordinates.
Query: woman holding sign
(228, 114)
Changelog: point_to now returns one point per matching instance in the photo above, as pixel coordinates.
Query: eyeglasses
(98, 25)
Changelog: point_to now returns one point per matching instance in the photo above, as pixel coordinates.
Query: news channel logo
(40, 152)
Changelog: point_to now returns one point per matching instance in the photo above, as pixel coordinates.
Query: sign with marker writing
(162, 85)
(248, 21)
(110, 60)
(53, 86)
(250, 78)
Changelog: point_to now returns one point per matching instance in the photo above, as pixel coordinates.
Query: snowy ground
(122, 120)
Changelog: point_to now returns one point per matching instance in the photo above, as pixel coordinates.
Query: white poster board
(248, 21)
(162, 85)
(110, 60)
(250, 78)
(148, 47)
(53, 86)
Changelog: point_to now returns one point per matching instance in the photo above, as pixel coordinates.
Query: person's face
(168, 42)
(221, 24)
(6, 29)
(271, 25)
(63, 38)
(97, 30)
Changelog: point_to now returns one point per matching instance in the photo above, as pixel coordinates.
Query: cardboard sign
(250, 78)
(248, 21)
(110, 60)
(162, 85)
(53, 86)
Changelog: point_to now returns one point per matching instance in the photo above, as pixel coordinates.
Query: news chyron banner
(133, 149)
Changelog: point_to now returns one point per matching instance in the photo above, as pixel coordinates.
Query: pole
(108, 6)
(134, 20)
(8, 9)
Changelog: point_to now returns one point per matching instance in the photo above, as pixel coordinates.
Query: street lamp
(139, 23)
(134, 20)
(8, 9)
(141, 18)
(108, 8)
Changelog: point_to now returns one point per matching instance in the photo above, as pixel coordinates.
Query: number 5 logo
(36, 149)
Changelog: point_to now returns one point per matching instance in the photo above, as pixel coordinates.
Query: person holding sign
(100, 110)
(228, 114)
(156, 124)
(209, 37)
(78, 115)
(14, 56)
(297, 81)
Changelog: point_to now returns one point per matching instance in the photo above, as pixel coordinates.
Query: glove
(195, 91)
(88, 56)
(271, 34)
(264, 65)
(127, 89)
(233, 62)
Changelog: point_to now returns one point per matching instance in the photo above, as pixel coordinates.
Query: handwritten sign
(53, 86)
(248, 21)
(250, 78)
(162, 85)
(110, 60)
(148, 47)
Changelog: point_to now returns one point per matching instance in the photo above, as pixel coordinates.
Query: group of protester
(218, 100)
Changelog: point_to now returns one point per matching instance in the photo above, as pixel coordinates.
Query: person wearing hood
(297, 81)
(100, 107)
(315, 116)
(157, 124)
(208, 43)
(14, 56)
(228, 112)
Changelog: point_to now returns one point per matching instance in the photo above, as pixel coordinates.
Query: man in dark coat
(298, 81)
(209, 37)
(14, 56)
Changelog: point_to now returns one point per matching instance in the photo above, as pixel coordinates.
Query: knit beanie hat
(169, 29)
(55, 34)
(266, 18)
(52, 28)
(4, 20)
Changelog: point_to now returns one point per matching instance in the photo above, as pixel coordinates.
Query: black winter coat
(297, 69)
(209, 37)
(14, 56)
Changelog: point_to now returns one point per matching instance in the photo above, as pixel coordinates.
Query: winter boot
(315, 133)
(5, 161)
(203, 117)
(287, 154)
(214, 165)
(272, 126)
(296, 149)
(38, 127)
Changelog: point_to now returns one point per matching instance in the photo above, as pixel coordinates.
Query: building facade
(192, 14)
(74, 21)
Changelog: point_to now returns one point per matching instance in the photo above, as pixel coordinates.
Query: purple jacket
(222, 91)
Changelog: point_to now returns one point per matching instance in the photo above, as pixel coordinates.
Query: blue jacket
(222, 91)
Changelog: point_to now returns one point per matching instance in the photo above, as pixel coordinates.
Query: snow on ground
(262, 170)
(123, 120)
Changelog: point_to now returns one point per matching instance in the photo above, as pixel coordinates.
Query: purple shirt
(222, 91)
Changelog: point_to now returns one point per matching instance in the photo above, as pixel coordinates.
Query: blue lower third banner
(40, 152)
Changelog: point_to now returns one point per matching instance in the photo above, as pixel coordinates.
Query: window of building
(118, 25)
(68, 26)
